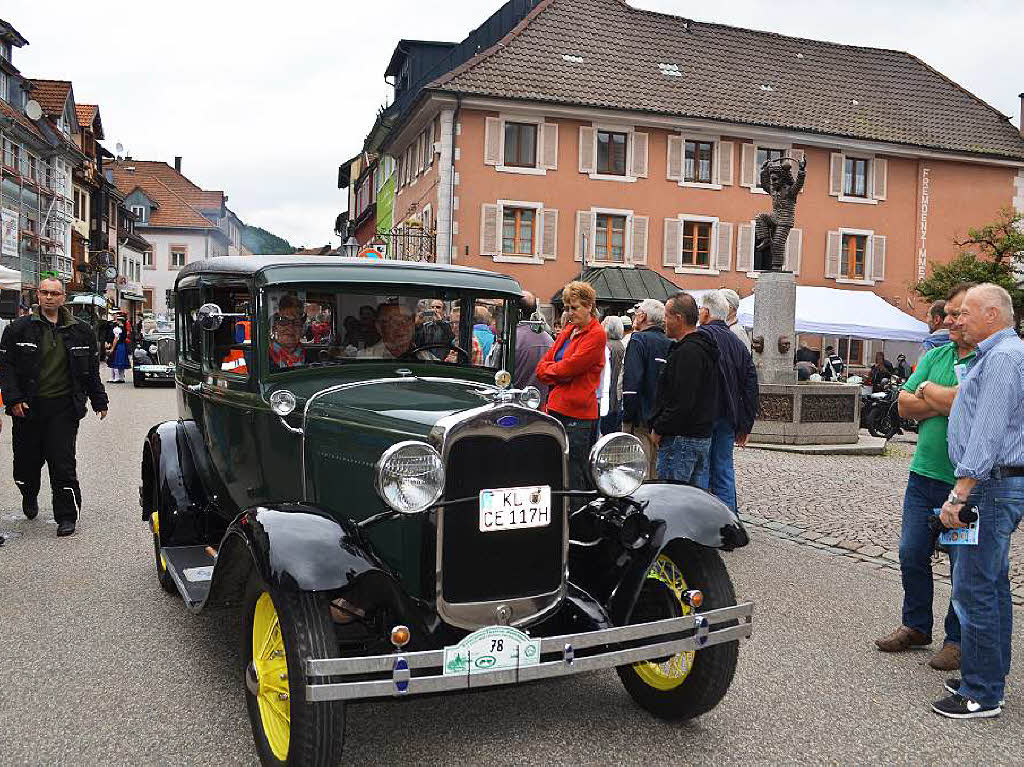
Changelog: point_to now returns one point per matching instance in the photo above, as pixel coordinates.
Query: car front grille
(165, 351)
(506, 565)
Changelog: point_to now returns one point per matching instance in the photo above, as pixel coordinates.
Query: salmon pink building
(564, 132)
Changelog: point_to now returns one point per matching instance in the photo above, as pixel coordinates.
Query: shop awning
(132, 296)
(89, 299)
(623, 286)
(854, 313)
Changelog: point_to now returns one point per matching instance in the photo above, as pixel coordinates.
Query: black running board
(191, 569)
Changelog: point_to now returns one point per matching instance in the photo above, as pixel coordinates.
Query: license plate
(493, 648)
(515, 508)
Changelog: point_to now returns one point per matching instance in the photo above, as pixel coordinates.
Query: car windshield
(317, 325)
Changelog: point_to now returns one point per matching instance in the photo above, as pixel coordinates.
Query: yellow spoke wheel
(673, 671)
(271, 665)
(154, 523)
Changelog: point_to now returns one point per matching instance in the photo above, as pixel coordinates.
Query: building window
(856, 349)
(697, 165)
(3, 83)
(697, 244)
(855, 180)
(521, 145)
(610, 238)
(177, 257)
(611, 153)
(140, 213)
(854, 257)
(147, 259)
(517, 231)
(765, 154)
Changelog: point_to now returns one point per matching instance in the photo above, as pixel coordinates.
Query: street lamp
(351, 246)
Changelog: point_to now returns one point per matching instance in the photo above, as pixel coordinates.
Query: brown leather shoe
(902, 639)
(946, 659)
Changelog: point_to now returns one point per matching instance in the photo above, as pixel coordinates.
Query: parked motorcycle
(880, 411)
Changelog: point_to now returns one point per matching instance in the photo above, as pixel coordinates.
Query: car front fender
(676, 511)
(171, 483)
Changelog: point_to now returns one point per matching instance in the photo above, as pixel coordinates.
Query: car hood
(411, 405)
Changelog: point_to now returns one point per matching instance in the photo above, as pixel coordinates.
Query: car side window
(190, 337)
(229, 348)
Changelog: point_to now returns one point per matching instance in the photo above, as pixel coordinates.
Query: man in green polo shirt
(927, 396)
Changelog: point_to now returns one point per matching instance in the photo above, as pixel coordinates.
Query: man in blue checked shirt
(986, 447)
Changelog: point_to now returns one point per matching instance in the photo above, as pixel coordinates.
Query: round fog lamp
(618, 464)
(410, 477)
(282, 402)
(530, 396)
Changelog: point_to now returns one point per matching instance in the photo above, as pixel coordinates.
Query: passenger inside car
(286, 350)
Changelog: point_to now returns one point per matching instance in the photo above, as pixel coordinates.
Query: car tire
(881, 423)
(669, 690)
(136, 380)
(289, 731)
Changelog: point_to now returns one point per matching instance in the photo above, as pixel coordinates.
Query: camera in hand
(968, 514)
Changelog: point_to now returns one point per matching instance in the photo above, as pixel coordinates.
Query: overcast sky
(265, 99)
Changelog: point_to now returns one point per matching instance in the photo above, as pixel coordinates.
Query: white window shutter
(493, 139)
(878, 258)
(723, 258)
(639, 244)
(835, 174)
(673, 249)
(745, 248)
(748, 163)
(794, 250)
(585, 220)
(549, 234)
(725, 163)
(833, 253)
(880, 178)
(638, 155)
(588, 149)
(798, 155)
(426, 219)
(674, 167)
(549, 146)
(490, 230)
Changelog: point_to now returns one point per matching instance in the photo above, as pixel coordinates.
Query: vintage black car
(393, 519)
(154, 358)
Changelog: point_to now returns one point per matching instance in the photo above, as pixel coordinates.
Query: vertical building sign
(9, 232)
(922, 235)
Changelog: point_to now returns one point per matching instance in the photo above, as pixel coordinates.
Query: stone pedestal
(808, 414)
(774, 336)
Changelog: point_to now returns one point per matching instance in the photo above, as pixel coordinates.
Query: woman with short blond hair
(572, 369)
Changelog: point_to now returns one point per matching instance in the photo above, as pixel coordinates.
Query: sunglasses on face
(289, 322)
(50, 293)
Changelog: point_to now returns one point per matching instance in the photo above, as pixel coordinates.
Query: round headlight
(152, 348)
(618, 464)
(282, 402)
(530, 396)
(410, 477)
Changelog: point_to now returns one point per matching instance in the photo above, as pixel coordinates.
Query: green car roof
(270, 270)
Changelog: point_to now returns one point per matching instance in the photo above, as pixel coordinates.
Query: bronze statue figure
(771, 230)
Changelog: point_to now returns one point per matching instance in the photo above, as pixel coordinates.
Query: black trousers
(48, 435)
(582, 434)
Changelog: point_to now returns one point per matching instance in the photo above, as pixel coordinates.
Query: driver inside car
(397, 326)
(286, 350)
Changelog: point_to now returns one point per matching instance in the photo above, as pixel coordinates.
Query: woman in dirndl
(117, 351)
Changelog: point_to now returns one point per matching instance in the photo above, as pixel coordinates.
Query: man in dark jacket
(645, 358)
(737, 400)
(49, 366)
(687, 396)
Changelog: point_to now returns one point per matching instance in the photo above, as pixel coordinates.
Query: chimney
(177, 164)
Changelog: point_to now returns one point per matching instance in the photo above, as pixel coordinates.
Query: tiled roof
(605, 54)
(19, 117)
(52, 95)
(196, 196)
(177, 202)
(85, 114)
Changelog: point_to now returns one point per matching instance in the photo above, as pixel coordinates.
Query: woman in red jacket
(572, 368)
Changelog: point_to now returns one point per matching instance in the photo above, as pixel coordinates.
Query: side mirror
(210, 317)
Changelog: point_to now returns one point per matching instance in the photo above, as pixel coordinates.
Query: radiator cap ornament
(502, 379)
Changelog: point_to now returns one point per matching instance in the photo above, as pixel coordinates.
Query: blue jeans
(981, 590)
(719, 476)
(684, 459)
(916, 545)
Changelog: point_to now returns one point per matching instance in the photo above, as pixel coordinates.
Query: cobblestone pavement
(843, 504)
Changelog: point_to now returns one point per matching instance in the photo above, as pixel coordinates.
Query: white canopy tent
(10, 279)
(850, 313)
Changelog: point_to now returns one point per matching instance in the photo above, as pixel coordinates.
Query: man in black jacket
(49, 366)
(645, 358)
(737, 397)
(687, 396)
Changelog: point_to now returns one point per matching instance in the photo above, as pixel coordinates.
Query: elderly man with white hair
(737, 398)
(733, 299)
(645, 359)
(986, 448)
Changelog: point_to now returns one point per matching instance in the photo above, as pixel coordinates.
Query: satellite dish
(33, 110)
(119, 148)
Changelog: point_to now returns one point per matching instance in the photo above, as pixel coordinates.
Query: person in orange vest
(235, 361)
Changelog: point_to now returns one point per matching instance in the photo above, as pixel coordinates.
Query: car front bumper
(418, 673)
(155, 372)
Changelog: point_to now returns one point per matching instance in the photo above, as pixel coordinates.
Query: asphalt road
(99, 666)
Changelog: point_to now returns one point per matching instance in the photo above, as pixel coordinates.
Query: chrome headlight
(618, 464)
(530, 397)
(282, 402)
(410, 477)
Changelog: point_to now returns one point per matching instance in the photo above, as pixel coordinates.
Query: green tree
(994, 253)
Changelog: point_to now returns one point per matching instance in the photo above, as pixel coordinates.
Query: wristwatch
(919, 391)
(955, 500)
